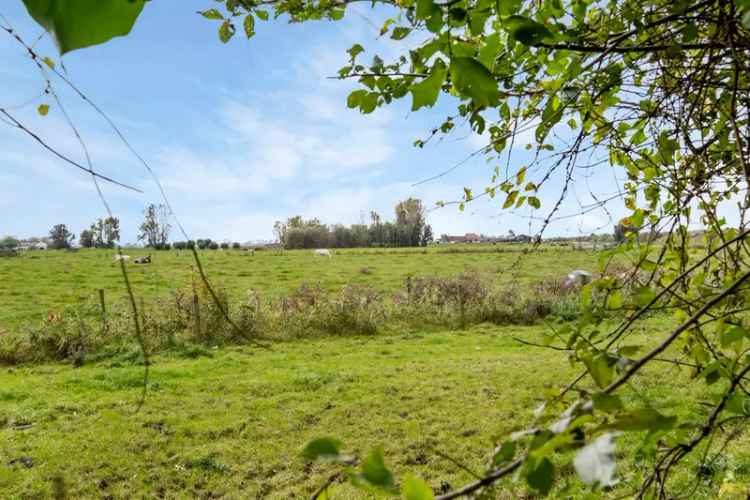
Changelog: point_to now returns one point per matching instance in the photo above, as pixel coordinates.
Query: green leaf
(325, 448)
(416, 489)
(732, 334)
(738, 404)
(76, 24)
(355, 50)
(249, 25)
(374, 475)
(614, 300)
(534, 202)
(643, 295)
(505, 454)
(49, 62)
(262, 14)
(226, 31)
(526, 31)
(43, 109)
(211, 14)
(400, 33)
(425, 93)
(599, 367)
(368, 102)
(510, 200)
(542, 476)
(426, 9)
(355, 98)
(607, 403)
(521, 175)
(644, 419)
(471, 78)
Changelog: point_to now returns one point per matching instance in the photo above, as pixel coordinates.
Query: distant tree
(426, 235)
(203, 244)
(279, 229)
(621, 232)
(236, 245)
(105, 232)
(179, 245)
(225, 245)
(9, 243)
(155, 227)
(213, 245)
(86, 239)
(60, 237)
(110, 231)
(410, 212)
(190, 244)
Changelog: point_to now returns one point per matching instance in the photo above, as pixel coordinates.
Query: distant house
(31, 245)
(466, 238)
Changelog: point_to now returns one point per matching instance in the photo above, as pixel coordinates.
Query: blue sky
(240, 135)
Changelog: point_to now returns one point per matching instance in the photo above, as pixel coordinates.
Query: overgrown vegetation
(190, 315)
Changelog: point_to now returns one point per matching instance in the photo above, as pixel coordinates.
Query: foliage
(409, 229)
(60, 237)
(155, 227)
(9, 243)
(86, 238)
(75, 24)
(102, 234)
(656, 89)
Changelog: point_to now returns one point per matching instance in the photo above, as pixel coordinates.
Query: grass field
(230, 422)
(39, 282)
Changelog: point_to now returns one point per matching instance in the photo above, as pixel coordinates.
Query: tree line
(409, 229)
(105, 233)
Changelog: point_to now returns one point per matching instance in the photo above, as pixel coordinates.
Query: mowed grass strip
(37, 283)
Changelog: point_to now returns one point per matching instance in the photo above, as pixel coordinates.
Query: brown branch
(676, 333)
(636, 48)
(485, 481)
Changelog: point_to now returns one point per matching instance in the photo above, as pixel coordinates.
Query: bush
(191, 317)
(356, 309)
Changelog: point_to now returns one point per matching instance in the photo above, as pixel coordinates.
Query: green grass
(232, 422)
(39, 282)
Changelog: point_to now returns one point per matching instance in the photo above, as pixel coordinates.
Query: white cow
(119, 257)
(323, 252)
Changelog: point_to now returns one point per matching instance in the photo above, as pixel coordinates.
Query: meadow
(228, 419)
(37, 283)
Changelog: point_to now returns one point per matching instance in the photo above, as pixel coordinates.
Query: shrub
(356, 309)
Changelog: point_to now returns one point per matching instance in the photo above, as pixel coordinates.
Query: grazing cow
(323, 252)
(119, 257)
(576, 278)
(143, 260)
